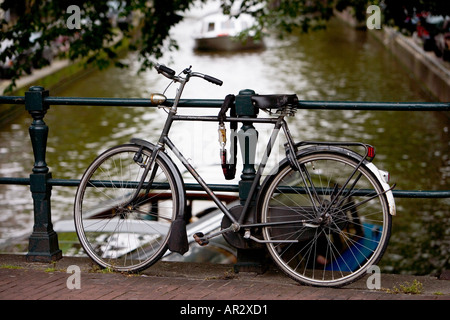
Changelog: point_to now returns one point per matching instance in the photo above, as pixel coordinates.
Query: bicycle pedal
(199, 238)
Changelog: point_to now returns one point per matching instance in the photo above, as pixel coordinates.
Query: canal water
(339, 63)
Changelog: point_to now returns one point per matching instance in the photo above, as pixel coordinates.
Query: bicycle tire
(116, 234)
(340, 249)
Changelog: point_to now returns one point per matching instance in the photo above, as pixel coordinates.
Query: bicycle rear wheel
(116, 231)
(334, 234)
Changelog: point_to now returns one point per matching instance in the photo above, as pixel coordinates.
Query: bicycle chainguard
(199, 237)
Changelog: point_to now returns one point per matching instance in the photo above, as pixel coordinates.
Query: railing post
(251, 259)
(43, 242)
(248, 138)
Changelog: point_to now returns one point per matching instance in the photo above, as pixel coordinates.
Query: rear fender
(343, 151)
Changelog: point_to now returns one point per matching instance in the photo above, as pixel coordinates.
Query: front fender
(178, 237)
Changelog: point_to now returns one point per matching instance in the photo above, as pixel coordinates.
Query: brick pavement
(170, 281)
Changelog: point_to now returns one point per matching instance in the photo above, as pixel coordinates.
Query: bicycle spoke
(118, 228)
(353, 225)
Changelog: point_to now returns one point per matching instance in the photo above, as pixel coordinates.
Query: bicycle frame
(166, 141)
(279, 123)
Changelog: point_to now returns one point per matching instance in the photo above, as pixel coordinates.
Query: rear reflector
(370, 151)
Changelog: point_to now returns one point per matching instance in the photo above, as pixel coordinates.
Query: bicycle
(324, 214)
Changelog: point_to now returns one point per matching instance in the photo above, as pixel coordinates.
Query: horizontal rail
(433, 194)
(374, 106)
(76, 182)
(217, 103)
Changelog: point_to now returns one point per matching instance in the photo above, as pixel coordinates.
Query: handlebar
(212, 80)
(170, 73)
(166, 71)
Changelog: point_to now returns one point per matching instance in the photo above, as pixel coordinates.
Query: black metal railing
(43, 242)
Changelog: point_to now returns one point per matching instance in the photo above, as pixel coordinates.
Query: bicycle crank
(238, 239)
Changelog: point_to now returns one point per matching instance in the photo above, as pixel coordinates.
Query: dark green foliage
(98, 38)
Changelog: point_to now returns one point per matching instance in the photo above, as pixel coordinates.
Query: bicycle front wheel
(117, 228)
(332, 234)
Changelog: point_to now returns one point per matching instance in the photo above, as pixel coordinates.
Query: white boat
(218, 32)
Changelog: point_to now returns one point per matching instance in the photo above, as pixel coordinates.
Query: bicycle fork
(138, 158)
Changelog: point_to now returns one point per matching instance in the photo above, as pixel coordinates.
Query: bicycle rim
(338, 248)
(115, 231)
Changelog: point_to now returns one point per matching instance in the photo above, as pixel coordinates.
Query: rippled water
(337, 64)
